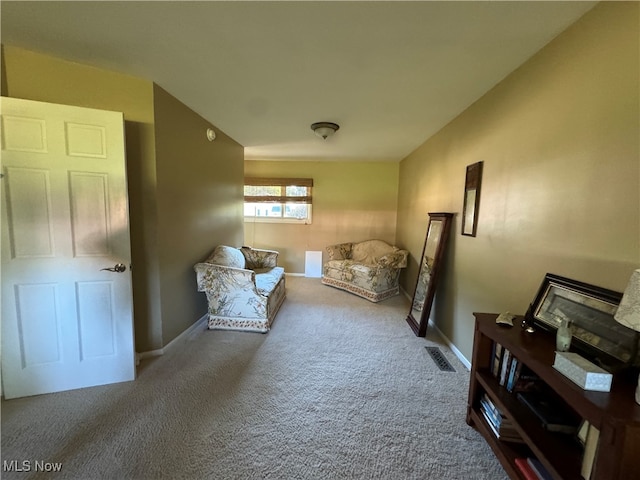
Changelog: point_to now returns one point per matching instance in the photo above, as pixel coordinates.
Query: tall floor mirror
(434, 246)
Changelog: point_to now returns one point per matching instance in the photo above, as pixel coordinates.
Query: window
(285, 200)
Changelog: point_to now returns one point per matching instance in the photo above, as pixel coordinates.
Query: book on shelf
(489, 421)
(501, 426)
(495, 418)
(554, 415)
(589, 455)
(506, 356)
(513, 369)
(497, 359)
(486, 402)
(583, 430)
(525, 380)
(493, 413)
(504, 432)
(537, 467)
(525, 468)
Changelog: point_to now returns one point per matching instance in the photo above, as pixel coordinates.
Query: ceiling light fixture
(324, 129)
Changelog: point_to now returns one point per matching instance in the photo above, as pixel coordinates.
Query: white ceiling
(390, 73)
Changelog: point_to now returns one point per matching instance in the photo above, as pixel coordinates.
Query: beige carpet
(339, 389)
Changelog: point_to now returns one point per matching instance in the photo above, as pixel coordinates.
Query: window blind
(275, 190)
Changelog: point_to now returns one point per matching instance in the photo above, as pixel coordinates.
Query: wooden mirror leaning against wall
(434, 246)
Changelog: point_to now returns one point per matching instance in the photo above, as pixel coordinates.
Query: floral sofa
(244, 288)
(370, 269)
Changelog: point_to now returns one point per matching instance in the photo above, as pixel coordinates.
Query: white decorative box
(580, 370)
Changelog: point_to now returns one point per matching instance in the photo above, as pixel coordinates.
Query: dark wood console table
(615, 414)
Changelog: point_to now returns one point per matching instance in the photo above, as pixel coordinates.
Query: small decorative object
(563, 336)
(211, 134)
(582, 372)
(528, 327)
(527, 320)
(505, 319)
(437, 234)
(471, 199)
(628, 313)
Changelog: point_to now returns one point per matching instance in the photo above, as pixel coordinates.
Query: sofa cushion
(259, 258)
(368, 251)
(227, 257)
(364, 277)
(348, 269)
(267, 279)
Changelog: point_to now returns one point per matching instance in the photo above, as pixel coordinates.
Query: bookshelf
(614, 414)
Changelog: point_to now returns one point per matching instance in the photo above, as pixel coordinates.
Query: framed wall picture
(471, 201)
(590, 310)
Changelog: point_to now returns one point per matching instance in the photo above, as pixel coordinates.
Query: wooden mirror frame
(434, 244)
(471, 201)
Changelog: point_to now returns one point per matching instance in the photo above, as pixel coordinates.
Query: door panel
(38, 324)
(29, 199)
(86, 140)
(22, 134)
(96, 319)
(89, 214)
(66, 322)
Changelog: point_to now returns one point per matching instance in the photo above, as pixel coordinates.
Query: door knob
(118, 267)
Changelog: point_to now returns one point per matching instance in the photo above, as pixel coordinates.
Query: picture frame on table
(590, 309)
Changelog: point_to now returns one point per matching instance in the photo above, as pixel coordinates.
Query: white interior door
(66, 322)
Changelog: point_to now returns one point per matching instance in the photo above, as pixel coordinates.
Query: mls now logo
(29, 466)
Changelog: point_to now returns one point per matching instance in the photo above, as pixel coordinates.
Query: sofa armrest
(259, 258)
(340, 251)
(210, 276)
(397, 259)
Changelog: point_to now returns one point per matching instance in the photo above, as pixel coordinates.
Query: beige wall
(561, 184)
(157, 191)
(351, 202)
(34, 76)
(199, 204)
(561, 187)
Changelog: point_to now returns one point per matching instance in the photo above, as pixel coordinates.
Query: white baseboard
(450, 344)
(161, 351)
(294, 274)
(406, 294)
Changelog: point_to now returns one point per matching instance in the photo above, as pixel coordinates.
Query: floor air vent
(442, 363)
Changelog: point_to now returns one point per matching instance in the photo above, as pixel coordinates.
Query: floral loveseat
(244, 288)
(369, 269)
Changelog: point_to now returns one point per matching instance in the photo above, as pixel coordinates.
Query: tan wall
(156, 221)
(561, 184)
(34, 76)
(351, 202)
(3, 74)
(199, 205)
